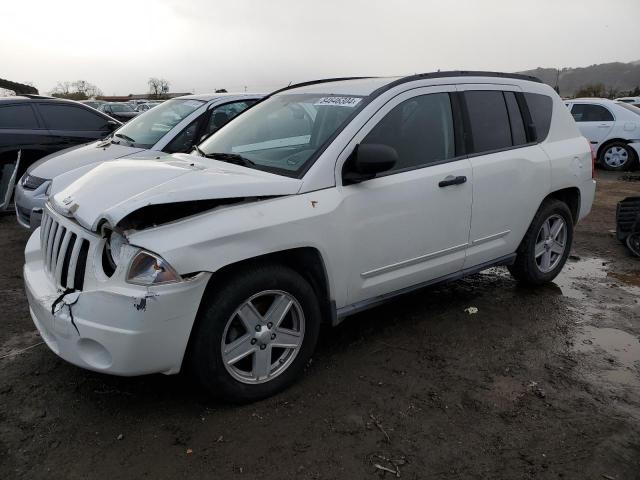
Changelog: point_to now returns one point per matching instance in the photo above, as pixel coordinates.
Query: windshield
(146, 129)
(631, 108)
(282, 133)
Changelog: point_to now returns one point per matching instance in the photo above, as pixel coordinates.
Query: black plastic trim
(459, 131)
(343, 312)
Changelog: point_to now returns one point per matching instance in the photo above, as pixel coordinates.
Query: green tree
(592, 90)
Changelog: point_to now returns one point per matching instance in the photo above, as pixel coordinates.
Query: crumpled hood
(71, 158)
(114, 189)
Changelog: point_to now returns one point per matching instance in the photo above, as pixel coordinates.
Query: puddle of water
(621, 348)
(576, 270)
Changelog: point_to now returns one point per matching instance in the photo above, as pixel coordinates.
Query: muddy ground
(540, 383)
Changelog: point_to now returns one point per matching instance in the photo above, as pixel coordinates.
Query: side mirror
(367, 160)
(112, 125)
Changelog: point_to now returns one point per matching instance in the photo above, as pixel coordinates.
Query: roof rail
(417, 76)
(31, 95)
(313, 82)
(472, 73)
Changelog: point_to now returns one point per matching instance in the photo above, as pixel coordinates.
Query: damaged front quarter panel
(114, 190)
(155, 215)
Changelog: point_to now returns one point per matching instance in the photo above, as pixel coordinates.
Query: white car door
(409, 225)
(510, 174)
(594, 121)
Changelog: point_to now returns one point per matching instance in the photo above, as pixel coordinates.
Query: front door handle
(451, 180)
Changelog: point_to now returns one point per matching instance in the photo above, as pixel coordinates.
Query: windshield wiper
(229, 158)
(127, 138)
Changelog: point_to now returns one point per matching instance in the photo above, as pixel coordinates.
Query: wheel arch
(307, 261)
(571, 197)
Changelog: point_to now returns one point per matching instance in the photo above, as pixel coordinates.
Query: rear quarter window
(18, 116)
(540, 108)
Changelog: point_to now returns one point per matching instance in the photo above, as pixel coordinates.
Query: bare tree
(87, 89)
(78, 90)
(158, 87)
(62, 89)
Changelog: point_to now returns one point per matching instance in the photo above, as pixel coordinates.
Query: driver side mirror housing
(367, 160)
(112, 125)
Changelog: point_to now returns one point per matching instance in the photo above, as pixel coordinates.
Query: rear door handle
(451, 180)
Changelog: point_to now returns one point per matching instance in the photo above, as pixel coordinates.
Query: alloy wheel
(550, 243)
(263, 336)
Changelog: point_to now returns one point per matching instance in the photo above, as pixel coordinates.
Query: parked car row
(320, 200)
(174, 126)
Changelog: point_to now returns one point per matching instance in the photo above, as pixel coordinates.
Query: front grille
(65, 247)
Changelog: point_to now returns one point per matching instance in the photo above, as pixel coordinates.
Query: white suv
(612, 127)
(322, 200)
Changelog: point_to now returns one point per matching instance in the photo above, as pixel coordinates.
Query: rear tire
(237, 351)
(546, 245)
(617, 157)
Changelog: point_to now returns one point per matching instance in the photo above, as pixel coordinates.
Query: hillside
(621, 77)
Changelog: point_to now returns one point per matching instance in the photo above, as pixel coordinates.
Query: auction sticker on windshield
(338, 101)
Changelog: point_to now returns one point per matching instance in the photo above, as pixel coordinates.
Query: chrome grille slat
(45, 234)
(61, 239)
(54, 252)
(50, 235)
(60, 260)
(71, 271)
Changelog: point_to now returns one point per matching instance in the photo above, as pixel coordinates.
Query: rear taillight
(593, 160)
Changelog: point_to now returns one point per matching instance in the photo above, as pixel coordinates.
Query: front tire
(255, 335)
(617, 157)
(546, 245)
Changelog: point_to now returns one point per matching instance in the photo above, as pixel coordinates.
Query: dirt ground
(540, 383)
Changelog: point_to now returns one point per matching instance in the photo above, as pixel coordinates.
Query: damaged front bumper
(120, 329)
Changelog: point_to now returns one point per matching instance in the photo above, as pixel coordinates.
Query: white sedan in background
(612, 127)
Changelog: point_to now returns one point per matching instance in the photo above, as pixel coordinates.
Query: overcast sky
(199, 45)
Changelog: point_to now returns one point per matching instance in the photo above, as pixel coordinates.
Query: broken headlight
(113, 248)
(149, 269)
(112, 251)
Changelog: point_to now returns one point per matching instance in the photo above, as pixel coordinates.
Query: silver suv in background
(174, 126)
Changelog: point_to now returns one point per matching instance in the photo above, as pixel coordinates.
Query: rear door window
(18, 116)
(589, 112)
(69, 117)
(490, 127)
